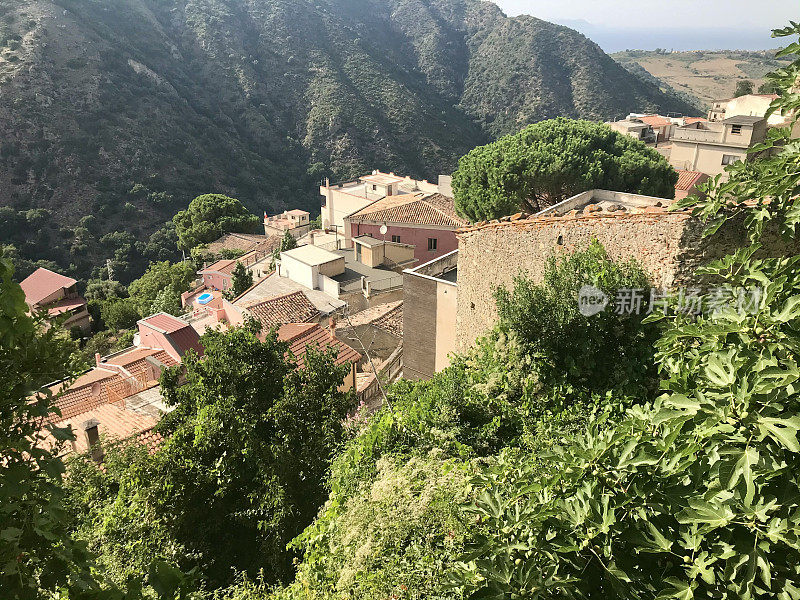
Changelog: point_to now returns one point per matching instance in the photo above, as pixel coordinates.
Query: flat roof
(368, 240)
(743, 120)
(382, 178)
(311, 255)
(604, 199)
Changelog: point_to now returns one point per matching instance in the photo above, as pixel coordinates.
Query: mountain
(125, 110)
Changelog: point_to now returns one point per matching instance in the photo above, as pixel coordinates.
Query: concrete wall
(217, 281)
(446, 309)
(416, 236)
(706, 158)
(332, 268)
(298, 271)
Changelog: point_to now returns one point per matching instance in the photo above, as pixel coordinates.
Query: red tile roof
(151, 439)
(300, 336)
(165, 323)
(42, 283)
(291, 308)
(687, 179)
(115, 423)
(221, 266)
(415, 209)
(654, 120)
(66, 305)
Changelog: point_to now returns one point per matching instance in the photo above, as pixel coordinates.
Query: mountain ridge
(127, 112)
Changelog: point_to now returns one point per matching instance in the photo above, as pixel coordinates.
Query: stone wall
(668, 245)
(419, 326)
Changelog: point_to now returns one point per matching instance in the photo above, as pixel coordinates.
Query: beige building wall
(338, 205)
(446, 307)
(332, 268)
(706, 158)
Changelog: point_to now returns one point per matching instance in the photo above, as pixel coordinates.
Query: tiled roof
(687, 179)
(42, 283)
(690, 120)
(114, 422)
(291, 308)
(300, 336)
(66, 305)
(151, 439)
(236, 241)
(221, 266)
(87, 392)
(415, 209)
(164, 322)
(392, 321)
(654, 120)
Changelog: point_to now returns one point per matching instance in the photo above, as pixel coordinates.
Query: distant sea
(616, 40)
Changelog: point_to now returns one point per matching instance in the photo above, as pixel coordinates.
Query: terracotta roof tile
(42, 283)
(687, 179)
(221, 266)
(237, 241)
(65, 305)
(654, 120)
(164, 322)
(291, 308)
(416, 209)
(115, 423)
(300, 336)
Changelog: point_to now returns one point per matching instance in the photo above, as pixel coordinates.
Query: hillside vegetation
(127, 110)
(703, 75)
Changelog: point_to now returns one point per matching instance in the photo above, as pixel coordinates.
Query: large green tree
(550, 161)
(241, 472)
(162, 278)
(210, 216)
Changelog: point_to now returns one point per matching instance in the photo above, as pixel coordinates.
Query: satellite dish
(383, 230)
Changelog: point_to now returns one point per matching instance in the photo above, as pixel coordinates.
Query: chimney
(98, 359)
(91, 431)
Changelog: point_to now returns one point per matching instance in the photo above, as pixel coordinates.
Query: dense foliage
(240, 474)
(551, 161)
(601, 351)
(695, 494)
(506, 393)
(209, 217)
(36, 552)
(242, 279)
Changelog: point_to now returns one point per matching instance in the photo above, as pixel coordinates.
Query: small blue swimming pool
(205, 298)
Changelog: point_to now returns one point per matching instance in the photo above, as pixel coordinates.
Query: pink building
(426, 221)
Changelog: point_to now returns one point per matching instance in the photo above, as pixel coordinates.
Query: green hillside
(126, 110)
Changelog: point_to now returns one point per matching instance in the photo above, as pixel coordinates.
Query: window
(396, 238)
(432, 244)
(374, 187)
(358, 252)
(736, 129)
(729, 159)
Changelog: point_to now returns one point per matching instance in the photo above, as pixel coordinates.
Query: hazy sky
(737, 14)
